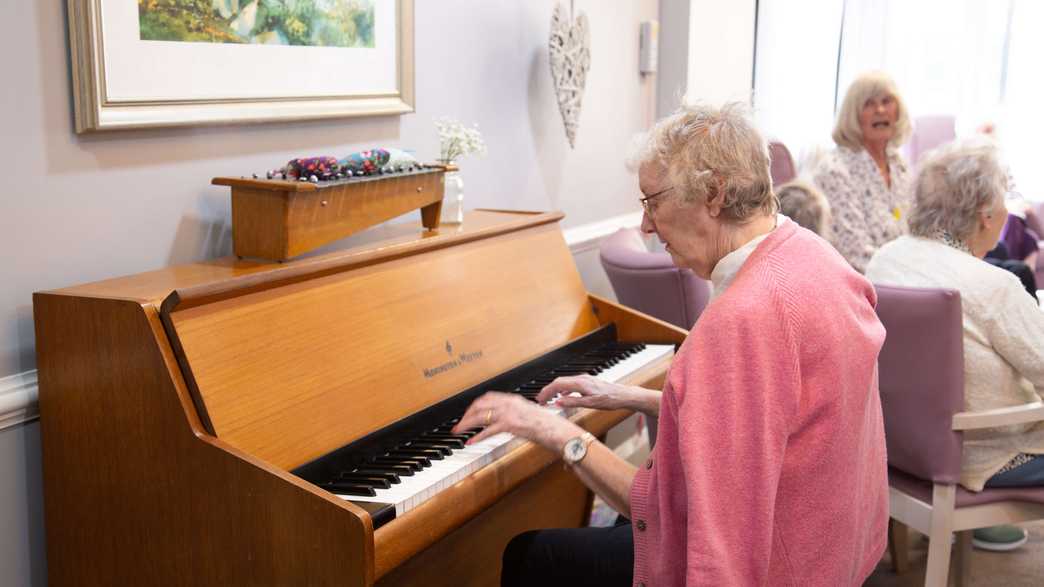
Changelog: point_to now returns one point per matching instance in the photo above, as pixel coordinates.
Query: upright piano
(239, 423)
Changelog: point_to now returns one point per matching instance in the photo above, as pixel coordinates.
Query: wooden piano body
(159, 475)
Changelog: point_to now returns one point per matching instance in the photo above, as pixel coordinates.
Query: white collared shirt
(729, 265)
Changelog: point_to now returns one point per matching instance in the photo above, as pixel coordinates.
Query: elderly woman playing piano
(769, 464)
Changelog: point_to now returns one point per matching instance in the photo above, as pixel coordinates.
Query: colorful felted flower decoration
(365, 162)
(323, 168)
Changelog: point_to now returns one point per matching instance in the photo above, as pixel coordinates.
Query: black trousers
(572, 557)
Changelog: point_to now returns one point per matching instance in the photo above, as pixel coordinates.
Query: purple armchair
(781, 164)
(650, 283)
(928, 133)
(921, 377)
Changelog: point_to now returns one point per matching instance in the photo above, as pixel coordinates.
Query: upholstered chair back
(650, 283)
(928, 133)
(782, 165)
(921, 377)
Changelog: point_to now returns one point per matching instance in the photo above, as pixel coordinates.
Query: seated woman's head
(959, 195)
(803, 203)
(873, 111)
(704, 172)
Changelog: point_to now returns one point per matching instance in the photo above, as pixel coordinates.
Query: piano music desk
(171, 421)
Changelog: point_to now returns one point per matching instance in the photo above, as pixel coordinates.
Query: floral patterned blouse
(866, 212)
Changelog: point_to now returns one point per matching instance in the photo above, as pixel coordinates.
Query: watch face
(575, 450)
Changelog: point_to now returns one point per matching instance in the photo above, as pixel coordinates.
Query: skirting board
(18, 392)
(18, 395)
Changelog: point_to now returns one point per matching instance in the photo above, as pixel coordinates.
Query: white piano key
(414, 490)
(649, 354)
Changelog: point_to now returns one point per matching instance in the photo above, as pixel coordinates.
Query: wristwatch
(575, 449)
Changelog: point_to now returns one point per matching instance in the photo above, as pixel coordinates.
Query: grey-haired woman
(958, 212)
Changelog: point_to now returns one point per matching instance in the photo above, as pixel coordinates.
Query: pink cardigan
(769, 467)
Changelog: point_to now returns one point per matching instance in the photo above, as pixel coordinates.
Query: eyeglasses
(645, 201)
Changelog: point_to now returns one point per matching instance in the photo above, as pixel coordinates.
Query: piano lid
(292, 364)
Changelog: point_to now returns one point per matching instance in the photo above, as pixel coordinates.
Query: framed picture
(154, 63)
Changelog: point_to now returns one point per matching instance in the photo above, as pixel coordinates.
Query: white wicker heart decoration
(569, 50)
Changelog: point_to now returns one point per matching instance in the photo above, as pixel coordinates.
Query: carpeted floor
(1023, 567)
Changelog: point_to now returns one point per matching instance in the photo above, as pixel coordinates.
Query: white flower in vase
(456, 141)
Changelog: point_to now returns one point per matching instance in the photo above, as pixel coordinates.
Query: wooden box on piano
(279, 219)
(176, 404)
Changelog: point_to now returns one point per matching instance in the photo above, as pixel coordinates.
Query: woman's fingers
(496, 412)
(565, 386)
(552, 389)
(475, 415)
(493, 412)
(486, 433)
(582, 401)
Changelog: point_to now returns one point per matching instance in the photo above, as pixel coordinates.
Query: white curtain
(946, 56)
(795, 68)
(975, 60)
(1020, 124)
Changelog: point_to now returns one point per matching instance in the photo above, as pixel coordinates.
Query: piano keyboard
(418, 469)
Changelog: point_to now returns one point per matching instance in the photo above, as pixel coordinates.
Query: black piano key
(444, 434)
(414, 464)
(348, 489)
(576, 373)
(433, 445)
(586, 368)
(450, 441)
(449, 430)
(404, 450)
(399, 469)
(375, 472)
(422, 460)
(378, 482)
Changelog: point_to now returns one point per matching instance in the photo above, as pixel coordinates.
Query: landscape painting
(313, 23)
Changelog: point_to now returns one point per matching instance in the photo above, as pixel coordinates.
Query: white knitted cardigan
(1003, 342)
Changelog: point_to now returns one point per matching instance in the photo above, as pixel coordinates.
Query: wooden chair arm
(1032, 412)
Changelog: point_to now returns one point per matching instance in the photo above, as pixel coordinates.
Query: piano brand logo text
(453, 363)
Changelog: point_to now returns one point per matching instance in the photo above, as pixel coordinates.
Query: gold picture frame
(98, 108)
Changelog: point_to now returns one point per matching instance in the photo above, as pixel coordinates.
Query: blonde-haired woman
(865, 179)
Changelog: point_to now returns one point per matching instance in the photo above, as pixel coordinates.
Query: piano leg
(470, 555)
